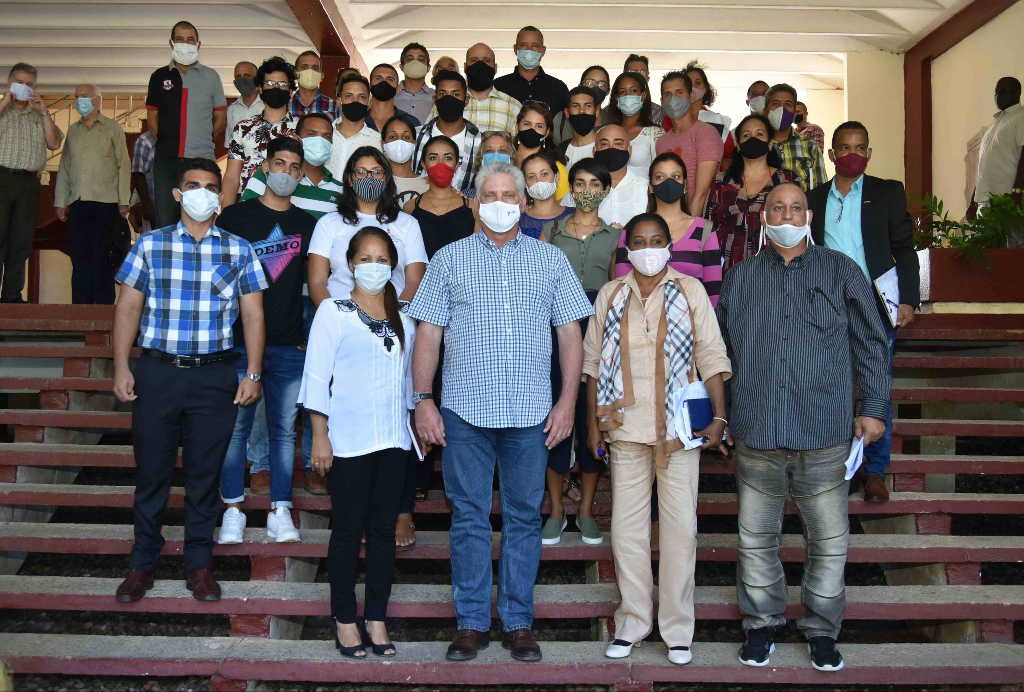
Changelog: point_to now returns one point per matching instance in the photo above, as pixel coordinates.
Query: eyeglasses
(271, 84)
(364, 172)
(591, 83)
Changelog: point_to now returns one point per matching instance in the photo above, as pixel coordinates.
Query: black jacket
(887, 228)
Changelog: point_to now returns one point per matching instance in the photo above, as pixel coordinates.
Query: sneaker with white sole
(552, 532)
(824, 654)
(619, 648)
(589, 531)
(680, 655)
(758, 647)
(280, 526)
(232, 527)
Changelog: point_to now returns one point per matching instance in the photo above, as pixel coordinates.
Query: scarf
(671, 373)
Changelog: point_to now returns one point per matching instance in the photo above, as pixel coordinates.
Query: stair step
(552, 601)
(57, 318)
(116, 539)
(56, 384)
(577, 663)
(105, 420)
(907, 427)
(71, 495)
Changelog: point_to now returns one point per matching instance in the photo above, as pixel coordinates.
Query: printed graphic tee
(281, 240)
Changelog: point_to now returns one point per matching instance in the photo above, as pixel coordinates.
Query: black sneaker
(758, 647)
(824, 654)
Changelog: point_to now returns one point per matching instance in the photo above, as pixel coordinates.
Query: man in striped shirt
(803, 334)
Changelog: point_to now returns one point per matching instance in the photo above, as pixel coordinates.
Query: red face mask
(441, 174)
(851, 165)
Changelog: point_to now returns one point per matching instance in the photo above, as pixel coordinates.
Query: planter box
(947, 276)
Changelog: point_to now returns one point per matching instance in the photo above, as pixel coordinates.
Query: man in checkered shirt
(182, 288)
(495, 297)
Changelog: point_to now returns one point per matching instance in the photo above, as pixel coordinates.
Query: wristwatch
(417, 397)
(254, 376)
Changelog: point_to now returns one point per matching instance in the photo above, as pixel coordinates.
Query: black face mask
(245, 85)
(530, 139)
(449, 108)
(798, 118)
(599, 96)
(480, 76)
(582, 123)
(275, 98)
(613, 159)
(382, 91)
(754, 148)
(669, 190)
(1005, 99)
(354, 111)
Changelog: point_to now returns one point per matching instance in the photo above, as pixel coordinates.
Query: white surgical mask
(649, 261)
(200, 204)
(757, 104)
(316, 150)
(499, 216)
(372, 277)
(184, 53)
(542, 189)
(21, 92)
(399, 150)
(787, 235)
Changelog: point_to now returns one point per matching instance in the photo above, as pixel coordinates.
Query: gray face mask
(282, 184)
(675, 107)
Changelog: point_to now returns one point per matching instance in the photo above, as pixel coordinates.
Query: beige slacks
(632, 475)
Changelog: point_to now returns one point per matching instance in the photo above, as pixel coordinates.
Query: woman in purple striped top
(695, 248)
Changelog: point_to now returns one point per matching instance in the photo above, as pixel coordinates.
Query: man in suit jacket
(866, 218)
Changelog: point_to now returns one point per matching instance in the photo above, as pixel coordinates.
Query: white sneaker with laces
(232, 527)
(280, 526)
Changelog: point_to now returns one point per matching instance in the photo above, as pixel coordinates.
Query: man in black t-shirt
(280, 234)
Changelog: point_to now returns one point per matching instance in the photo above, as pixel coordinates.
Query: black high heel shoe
(387, 650)
(348, 651)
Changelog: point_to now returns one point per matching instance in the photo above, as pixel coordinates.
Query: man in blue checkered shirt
(494, 298)
(182, 288)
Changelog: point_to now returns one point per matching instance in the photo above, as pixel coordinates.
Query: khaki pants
(632, 475)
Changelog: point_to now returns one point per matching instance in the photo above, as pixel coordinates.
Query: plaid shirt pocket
(223, 281)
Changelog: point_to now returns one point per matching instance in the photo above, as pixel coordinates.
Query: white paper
(681, 413)
(887, 286)
(856, 457)
(412, 433)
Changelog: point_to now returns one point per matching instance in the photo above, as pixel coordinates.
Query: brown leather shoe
(135, 586)
(315, 483)
(202, 585)
(259, 483)
(523, 645)
(874, 488)
(466, 645)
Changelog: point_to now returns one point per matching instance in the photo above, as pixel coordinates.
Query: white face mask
(786, 235)
(21, 92)
(542, 189)
(757, 104)
(399, 150)
(372, 277)
(184, 53)
(500, 217)
(649, 261)
(200, 204)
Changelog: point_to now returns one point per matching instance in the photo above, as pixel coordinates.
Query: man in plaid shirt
(487, 108)
(182, 289)
(798, 153)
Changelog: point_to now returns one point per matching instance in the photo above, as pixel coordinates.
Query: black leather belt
(192, 361)
(17, 171)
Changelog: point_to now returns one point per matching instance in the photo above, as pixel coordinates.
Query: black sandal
(348, 651)
(387, 650)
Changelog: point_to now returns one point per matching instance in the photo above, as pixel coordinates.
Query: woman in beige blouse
(653, 331)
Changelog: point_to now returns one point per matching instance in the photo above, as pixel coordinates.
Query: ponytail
(394, 314)
(391, 305)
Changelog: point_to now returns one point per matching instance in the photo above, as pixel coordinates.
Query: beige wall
(963, 82)
(874, 96)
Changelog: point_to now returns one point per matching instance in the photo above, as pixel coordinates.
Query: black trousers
(191, 407)
(19, 198)
(366, 493)
(93, 225)
(165, 179)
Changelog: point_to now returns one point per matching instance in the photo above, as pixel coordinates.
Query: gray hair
(501, 168)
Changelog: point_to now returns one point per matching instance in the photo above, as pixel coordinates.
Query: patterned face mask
(587, 200)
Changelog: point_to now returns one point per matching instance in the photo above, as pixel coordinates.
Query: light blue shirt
(842, 223)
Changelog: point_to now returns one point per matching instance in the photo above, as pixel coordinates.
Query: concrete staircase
(959, 381)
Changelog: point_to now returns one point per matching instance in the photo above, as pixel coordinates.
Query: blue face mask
(529, 59)
(83, 105)
(316, 150)
(630, 104)
(495, 157)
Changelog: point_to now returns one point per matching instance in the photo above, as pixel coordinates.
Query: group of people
(522, 277)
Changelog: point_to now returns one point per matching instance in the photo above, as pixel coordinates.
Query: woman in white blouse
(369, 198)
(357, 384)
(631, 107)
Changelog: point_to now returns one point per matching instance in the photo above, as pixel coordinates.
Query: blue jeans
(258, 447)
(468, 470)
(877, 455)
(282, 374)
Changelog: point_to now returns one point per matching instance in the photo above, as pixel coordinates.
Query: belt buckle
(185, 361)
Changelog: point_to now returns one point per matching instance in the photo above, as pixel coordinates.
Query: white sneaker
(680, 655)
(232, 527)
(619, 648)
(280, 526)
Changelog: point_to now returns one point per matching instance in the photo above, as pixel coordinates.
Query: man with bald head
(92, 195)
(804, 336)
(487, 108)
(627, 196)
(248, 104)
(1001, 156)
